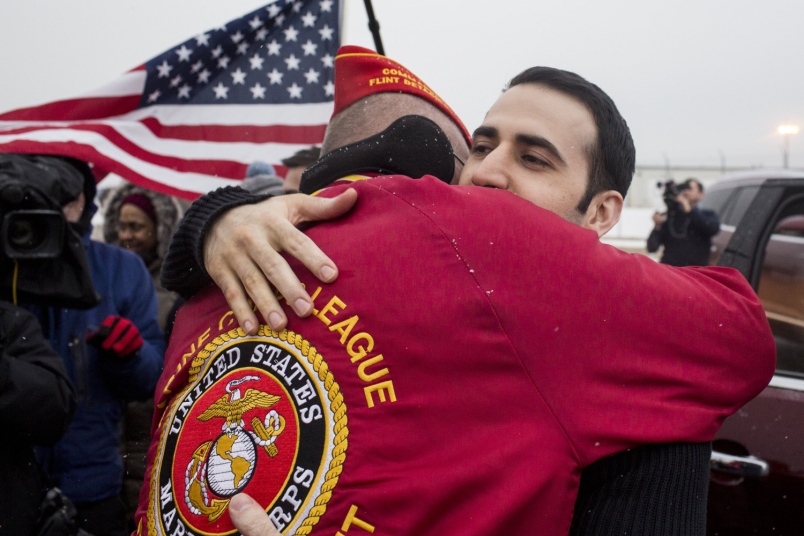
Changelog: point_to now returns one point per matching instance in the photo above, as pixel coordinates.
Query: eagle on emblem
(225, 465)
(232, 405)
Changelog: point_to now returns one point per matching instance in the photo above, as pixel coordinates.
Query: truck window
(736, 208)
(781, 288)
(716, 200)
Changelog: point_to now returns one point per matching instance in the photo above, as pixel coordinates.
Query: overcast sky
(699, 81)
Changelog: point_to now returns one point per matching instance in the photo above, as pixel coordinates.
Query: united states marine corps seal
(259, 414)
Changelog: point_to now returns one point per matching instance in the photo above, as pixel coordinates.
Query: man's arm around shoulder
(183, 270)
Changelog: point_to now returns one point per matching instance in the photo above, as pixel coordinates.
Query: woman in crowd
(142, 221)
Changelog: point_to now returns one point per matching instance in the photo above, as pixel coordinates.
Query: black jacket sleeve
(37, 399)
(652, 490)
(705, 221)
(183, 269)
(655, 239)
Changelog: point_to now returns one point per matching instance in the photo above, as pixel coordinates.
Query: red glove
(117, 335)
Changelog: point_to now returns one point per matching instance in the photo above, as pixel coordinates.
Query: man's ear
(603, 212)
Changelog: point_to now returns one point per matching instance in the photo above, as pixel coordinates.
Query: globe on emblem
(231, 463)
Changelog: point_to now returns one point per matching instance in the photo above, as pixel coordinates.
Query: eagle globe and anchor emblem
(258, 414)
(227, 464)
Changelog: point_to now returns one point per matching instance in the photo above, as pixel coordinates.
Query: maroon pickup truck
(757, 468)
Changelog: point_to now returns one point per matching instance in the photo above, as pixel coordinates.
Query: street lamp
(786, 131)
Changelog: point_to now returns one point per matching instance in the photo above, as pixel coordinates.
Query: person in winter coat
(113, 353)
(685, 230)
(36, 404)
(142, 221)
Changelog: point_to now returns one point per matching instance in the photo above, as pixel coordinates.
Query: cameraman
(112, 347)
(37, 400)
(685, 230)
(36, 404)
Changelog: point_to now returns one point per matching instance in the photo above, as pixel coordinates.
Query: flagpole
(374, 26)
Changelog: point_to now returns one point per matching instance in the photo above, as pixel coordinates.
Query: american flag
(193, 118)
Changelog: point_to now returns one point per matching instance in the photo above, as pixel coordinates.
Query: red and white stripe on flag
(193, 118)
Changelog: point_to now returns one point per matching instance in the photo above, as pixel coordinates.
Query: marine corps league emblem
(256, 416)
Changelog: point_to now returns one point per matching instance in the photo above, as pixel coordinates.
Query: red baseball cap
(360, 72)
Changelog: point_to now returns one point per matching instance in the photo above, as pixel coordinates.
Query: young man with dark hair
(611, 157)
(583, 182)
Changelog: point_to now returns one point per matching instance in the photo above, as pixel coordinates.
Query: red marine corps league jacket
(475, 353)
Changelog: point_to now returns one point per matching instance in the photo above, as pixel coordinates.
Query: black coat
(686, 237)
(36, 404)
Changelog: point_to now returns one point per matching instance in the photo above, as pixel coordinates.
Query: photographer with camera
(111, 346)
(685, 230)
(40, 259)
(36, 404)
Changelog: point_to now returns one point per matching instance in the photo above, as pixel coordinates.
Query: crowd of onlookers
(77, 385)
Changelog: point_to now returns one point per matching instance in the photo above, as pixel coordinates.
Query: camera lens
(32, 234)
(24, 236)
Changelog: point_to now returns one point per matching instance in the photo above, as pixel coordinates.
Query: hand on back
(242, 254)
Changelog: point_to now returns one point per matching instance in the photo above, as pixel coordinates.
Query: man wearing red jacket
(532, 380)
(369, 416)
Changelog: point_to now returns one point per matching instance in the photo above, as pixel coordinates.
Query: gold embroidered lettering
(361, 351)
(330, 308)
(352, 519)
(345, 327)
(380, 389)
(230, 316)
(368, 378)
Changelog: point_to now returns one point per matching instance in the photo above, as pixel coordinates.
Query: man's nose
(491, 171)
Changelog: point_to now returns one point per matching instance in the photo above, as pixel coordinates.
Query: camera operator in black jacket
(685, 230)
(36, 404)
(41, 261)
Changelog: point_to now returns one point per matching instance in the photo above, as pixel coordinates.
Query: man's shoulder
(113, 265)
(431, 191)
(704, 211)
(118, 254)
(399, 210)
(708, 212)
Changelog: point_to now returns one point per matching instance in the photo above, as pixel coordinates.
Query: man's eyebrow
(486, 132)
(544, 143)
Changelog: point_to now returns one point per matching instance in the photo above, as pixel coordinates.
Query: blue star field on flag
(280, 54)
(194, 118)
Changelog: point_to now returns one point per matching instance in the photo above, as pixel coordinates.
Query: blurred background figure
(113, 353)
(37, 399)
(36, 404)
(142, 221)
(684, 230)
(261, 178)
(296, 165)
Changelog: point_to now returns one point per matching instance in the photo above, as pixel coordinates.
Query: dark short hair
(689, 182)
(612, 157)
(302, 158)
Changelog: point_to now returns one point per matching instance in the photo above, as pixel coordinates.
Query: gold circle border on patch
(337, 407)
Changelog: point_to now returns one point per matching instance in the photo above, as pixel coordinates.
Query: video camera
(42, 259)
(671, 191)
